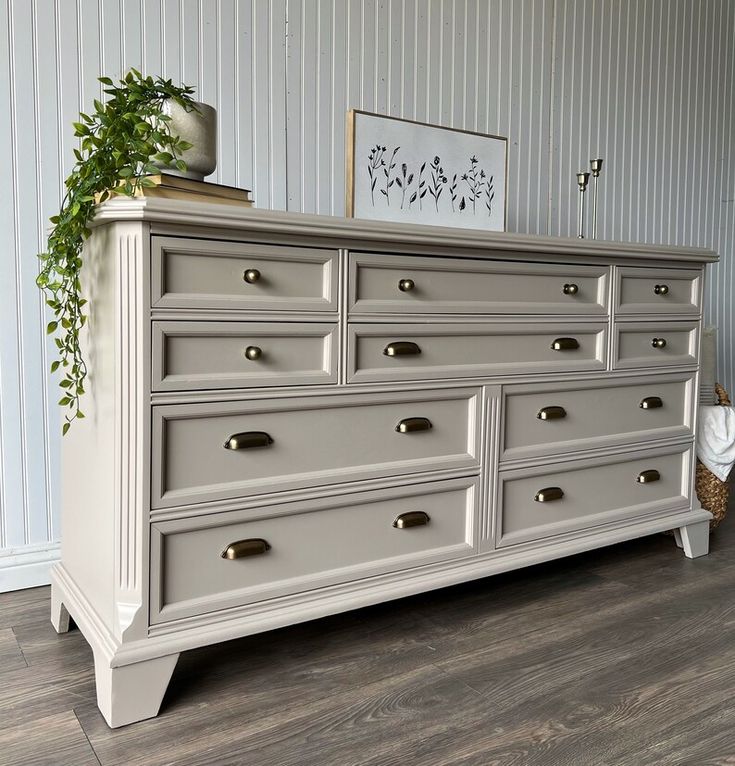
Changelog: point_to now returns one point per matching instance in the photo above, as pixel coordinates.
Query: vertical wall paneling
(646, 84)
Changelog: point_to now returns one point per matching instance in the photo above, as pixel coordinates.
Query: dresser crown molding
(362, 232)
(290, 416)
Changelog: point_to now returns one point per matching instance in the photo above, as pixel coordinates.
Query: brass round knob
(570, 289)
(661, 289)
(253, 353)
(251, 276)
(406, 285)
(659, 342)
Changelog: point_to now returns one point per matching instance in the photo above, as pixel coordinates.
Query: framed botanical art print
(399, 170)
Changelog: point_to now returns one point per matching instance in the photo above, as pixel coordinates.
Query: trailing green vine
(119, 142)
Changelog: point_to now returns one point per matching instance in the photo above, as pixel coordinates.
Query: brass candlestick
(596, 166)
(582, 181)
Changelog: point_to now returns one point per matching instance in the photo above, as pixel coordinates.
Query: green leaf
(65, 428)
(119, 141)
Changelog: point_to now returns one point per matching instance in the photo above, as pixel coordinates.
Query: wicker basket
(713, 493)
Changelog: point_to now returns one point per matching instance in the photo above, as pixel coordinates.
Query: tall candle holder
(582, 181)
(596, 166)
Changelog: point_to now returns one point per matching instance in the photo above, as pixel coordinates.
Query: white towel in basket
(716, 439)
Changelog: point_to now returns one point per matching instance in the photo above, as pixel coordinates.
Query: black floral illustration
(453, 191)
(438, 179)
(402, 182)
(431, 178)
(421, 191)
(375, 161)
(489, 194)
(387, 172)
(473, 180)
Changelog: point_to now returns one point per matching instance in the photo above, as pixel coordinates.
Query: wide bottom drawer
(212, 562)
(550, 500)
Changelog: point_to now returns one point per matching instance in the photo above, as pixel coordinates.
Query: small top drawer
(411, 284)
(657, 291)
(204, 274)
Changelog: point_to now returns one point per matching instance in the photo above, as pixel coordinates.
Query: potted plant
(129, 136)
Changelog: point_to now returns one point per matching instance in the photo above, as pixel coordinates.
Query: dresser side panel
(104, 455)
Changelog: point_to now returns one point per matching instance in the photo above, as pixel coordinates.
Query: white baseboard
(27, 567)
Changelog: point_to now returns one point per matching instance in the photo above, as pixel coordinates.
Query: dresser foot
(59, 614)
(694, 539)
(132, 692)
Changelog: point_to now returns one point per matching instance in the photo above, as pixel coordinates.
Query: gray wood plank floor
(620, 657)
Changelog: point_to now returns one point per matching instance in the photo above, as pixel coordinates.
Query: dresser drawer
(657, 291)
(378, 284)
(283, 443)
(207, 355)
(655, 344)
(557, 418)
(204, 274)
(555, 499)
(300, 546)
(471, 350)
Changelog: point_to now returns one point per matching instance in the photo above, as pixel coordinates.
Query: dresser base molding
(132, 677)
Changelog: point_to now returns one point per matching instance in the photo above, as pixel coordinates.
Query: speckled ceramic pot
(200, 130)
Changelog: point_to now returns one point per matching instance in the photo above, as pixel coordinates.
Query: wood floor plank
(42, 645)
(11, 656)
(50, 741)
(30, 693)
(20, 607)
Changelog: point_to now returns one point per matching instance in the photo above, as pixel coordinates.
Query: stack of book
(167, 186)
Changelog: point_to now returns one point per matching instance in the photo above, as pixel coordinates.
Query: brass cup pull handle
(241, 549)
(565, 344)
(251, 276)
(651, 403)
(551, 413)
(661, 289)
(401, 348)
(406, 285)
(409, 425)
(570, 289)
(658, 342)
(253, 353)
(248, 440)
(411, 519)
(646, 477)
(548, 494)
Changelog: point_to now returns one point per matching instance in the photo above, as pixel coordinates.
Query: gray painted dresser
(290, 416)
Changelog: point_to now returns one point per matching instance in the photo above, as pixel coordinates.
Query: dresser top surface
(360, 233)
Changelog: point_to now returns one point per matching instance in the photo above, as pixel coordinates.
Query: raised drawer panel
(308, 441)
(471, 350)
(655, 344)
(556, 418)
(657, 291)
(308, 545)
(211, 355)
(594, 493)
(204, 274)
(466, 286)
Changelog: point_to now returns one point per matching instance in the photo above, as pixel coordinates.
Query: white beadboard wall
(645, 84)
